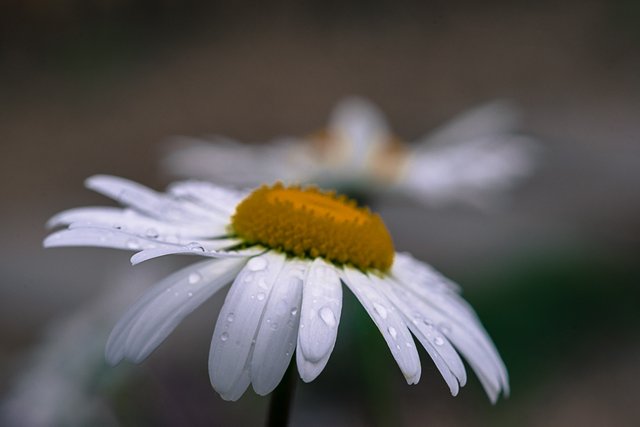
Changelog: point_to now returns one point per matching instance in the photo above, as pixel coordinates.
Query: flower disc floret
(310, 223)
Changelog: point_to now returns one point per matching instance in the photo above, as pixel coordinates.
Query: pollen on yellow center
(306, 222)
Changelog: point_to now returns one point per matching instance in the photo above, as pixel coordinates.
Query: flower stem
(281, 399)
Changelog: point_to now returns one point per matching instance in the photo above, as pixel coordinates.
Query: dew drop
(379, 308)
(230, 317)
(393, 332)
(438, 340)
(294, 311)
(224, 336)
(327, 316)
(152, 233)
(260, 296)
(194, 278)
(274, 326)
(196, 247)
(257, 264)
(189, 294)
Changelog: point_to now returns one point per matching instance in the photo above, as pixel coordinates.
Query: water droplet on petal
(327, 316)
(152, 233)
(194, 278)
(392, 332)
(260, 296)
(438, 340)
(196, 247)
(274, 326)
(230, 317)
(380, 309)
(294, 311)
(189, 294)
(224, 336)
(257, 264)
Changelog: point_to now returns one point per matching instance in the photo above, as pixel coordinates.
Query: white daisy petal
(278, 332)
(211, 249)
(434, 342)
(490, 119)
(143, 199)
(457, 321)
(208, 195)
(389, 322)
(408, 269)
(319, 319)
(239, 320)
(132, 221)
(150, 320)
(98, 237)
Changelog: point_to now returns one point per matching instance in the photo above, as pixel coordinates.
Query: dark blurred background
(92, 87)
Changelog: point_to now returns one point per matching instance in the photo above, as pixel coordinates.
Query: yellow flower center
(306, 222)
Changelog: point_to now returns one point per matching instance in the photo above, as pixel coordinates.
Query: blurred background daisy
(471, 159)
(97, 87)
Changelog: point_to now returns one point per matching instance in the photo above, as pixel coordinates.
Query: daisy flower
(472, 159)
(287, 252)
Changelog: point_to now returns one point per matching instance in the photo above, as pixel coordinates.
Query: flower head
(287, 252)
(472, 159)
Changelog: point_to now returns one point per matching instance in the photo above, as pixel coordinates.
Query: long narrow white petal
(132, 221)
(98, 237)
(466, 337)
(425, 284)
(389, 322)
(319, 319)
(239, 320)
(435, 343)
(459, 323)
(493, 118)
(161, 316)
(143, 199)
(152, 318)
(408, 269)
(278, 332)
(211, 249)
(209, 195)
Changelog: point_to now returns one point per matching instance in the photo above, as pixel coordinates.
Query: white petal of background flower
(239, 320)
(319, 319)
